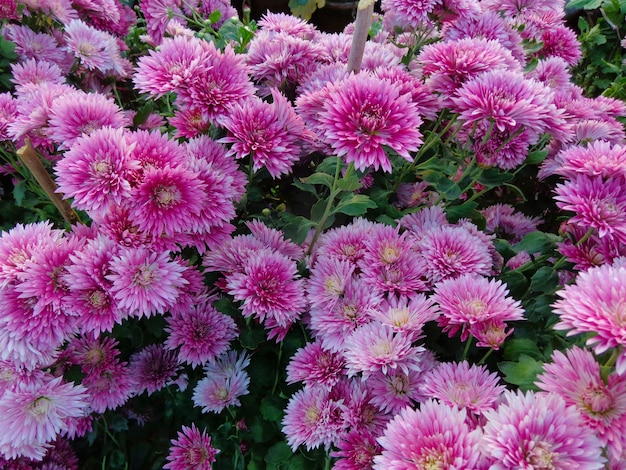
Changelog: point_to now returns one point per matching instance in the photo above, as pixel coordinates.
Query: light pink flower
(192, 450)
(225, 381)
(395, 390)
(598, 158)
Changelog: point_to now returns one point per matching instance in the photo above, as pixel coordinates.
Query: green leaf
(272, 408)
(318, 209)
(215, 16)
(7, 49)
(464, 211)
(536, 157)
(545, 279)
(516, 347)
(142, 113)
(492, 177)
(354, 204)
(19, 192)
(319, 178)
(309, 188)
(584, 4)
(329, 165)
(522, 373)
(298, 228)
(351, 183)
(279, 453)
(517, 283)
(537, 242)
(250, 338)
(299, 462)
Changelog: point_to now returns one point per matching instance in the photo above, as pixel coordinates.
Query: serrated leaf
(354, 204)
(537, 242)
(522, 373)
(319, 178)
(536, 157)
(545, 279)
(279, 453)
(272, 408)
(351, 183)
(309, 188)
(298, 228)
(328, 165)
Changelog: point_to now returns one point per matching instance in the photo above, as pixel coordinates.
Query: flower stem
(468, 343)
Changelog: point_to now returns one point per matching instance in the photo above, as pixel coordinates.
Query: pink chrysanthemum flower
(315, 366)
(560, 41)
(8, 10)
(503, 220)
(413, 12)
(575, 376)
(597, 203)
(268, 287)
(79, 113)
(538, 430)
(8, 112)
(356, 451)
(274, 239)
(271, 133)
(152, 369)
(584, 308)
(375, 347)
(32, 45)
(95, 172)
(332, 326)
(411, 195)
(358, 411)
(312, 418)
(93, 354)
(552, 72)
(451, 251)
(395, 390)
(435, 436)
(470, 387)
(472, 299)
(95, 49)
(289, 24)
(33, 71)
(202, 334)
(145, 282)
(109, 386)
(346, 242)
(598, 158)
(328, 280)
(379, 116)
(191, 451)
(227, 74)
(35, 413)
(406, 314)
(190, 122)
(447, 65)
(158, 14)
(154, 151)
(225, 381)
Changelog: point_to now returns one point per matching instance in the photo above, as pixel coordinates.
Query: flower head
(192, 450)
(152, 368)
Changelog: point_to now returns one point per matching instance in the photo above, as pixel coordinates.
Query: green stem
(610, 362)
(484, 358)
(278, 368)
(468, 343)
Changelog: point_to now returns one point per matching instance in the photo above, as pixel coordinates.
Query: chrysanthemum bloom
(95, 49)
(413, 12)
(191, 451)
(95, 172)
(274, 239)
(152, 368)
(32, 45)
(79, 113)
(598, 158)
(537, 430)
(289, 24)
(271, 133)
(375, 347)
(584, 308)
(414, 194)
(553, 72)
(406, 314)
(447, 65)
(434, 436)
(91, 353)
(328, 279)
(594, 251)
(395, 390)
(503, 220)
(145, 282)
(269, 286)
(379, 116)
(8, 112)
(598, 203)
(332, 326)
(109, 386)
(229, 82)
(356, 451)
(314, 365)
(8, 10)
(33, 71)
(450, 251)
(575, 376)
(226, 380)
(472, 299)
(35, 413)
(470, 387)
(312, 418)
(202, 333)
(346, 242)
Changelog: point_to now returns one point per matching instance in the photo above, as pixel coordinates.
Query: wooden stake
(362, 25)
(30, 159)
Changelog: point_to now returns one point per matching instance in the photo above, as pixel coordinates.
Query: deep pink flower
(533, 430)
(560, 41)
(110, 386)
(41, 46)
(145, 282)
(158, 14)
(8, 112)
(395, 390)
(191, 451)
(597, 203)
(503, 220)
(436, 435)
(75, 114)
(472, 299)
(598, 158)
(268, 287)
(95, 172)
(346, 242)
(201, 333)
(289, 24)
(315, 366)
(364, 115)
(584, 308)
(152, 368)
(34, 71)
(356, 451)
(271, 133)
(553, 72)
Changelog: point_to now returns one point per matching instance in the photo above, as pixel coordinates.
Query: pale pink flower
(531, 430)
(34, 71)
(192, 450)
(226, 380)
(597, 158)
(158, 14)
(289, 24)
(395, 390)
(413, 12)
(406, 314)
(504, 221)
(328, 280)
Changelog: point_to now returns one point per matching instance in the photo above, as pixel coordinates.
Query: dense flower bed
(266, 251)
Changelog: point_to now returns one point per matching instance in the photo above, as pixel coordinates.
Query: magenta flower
(289, 24)
(315, 366)
(395, 390)
(583, 308)
(471, 299)
(535, 430)
(346, 242)
(152, 369)
(271, 133)
(34, 71)
(356, 451)
(328, 280)
(158, 14)
(8, 112)
(435, 436)
(145, 282)
(41, 46)
(201, 333)
(406, 314)
(413, 12)
(364, 115)
(191, 451)
(598, 158)
(110, 386)
(503, 220)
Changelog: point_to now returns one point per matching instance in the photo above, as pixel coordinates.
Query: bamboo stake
(30, 159)
(362, 25)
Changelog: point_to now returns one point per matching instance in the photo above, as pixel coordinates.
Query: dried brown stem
(362, 25)
(30, 159)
